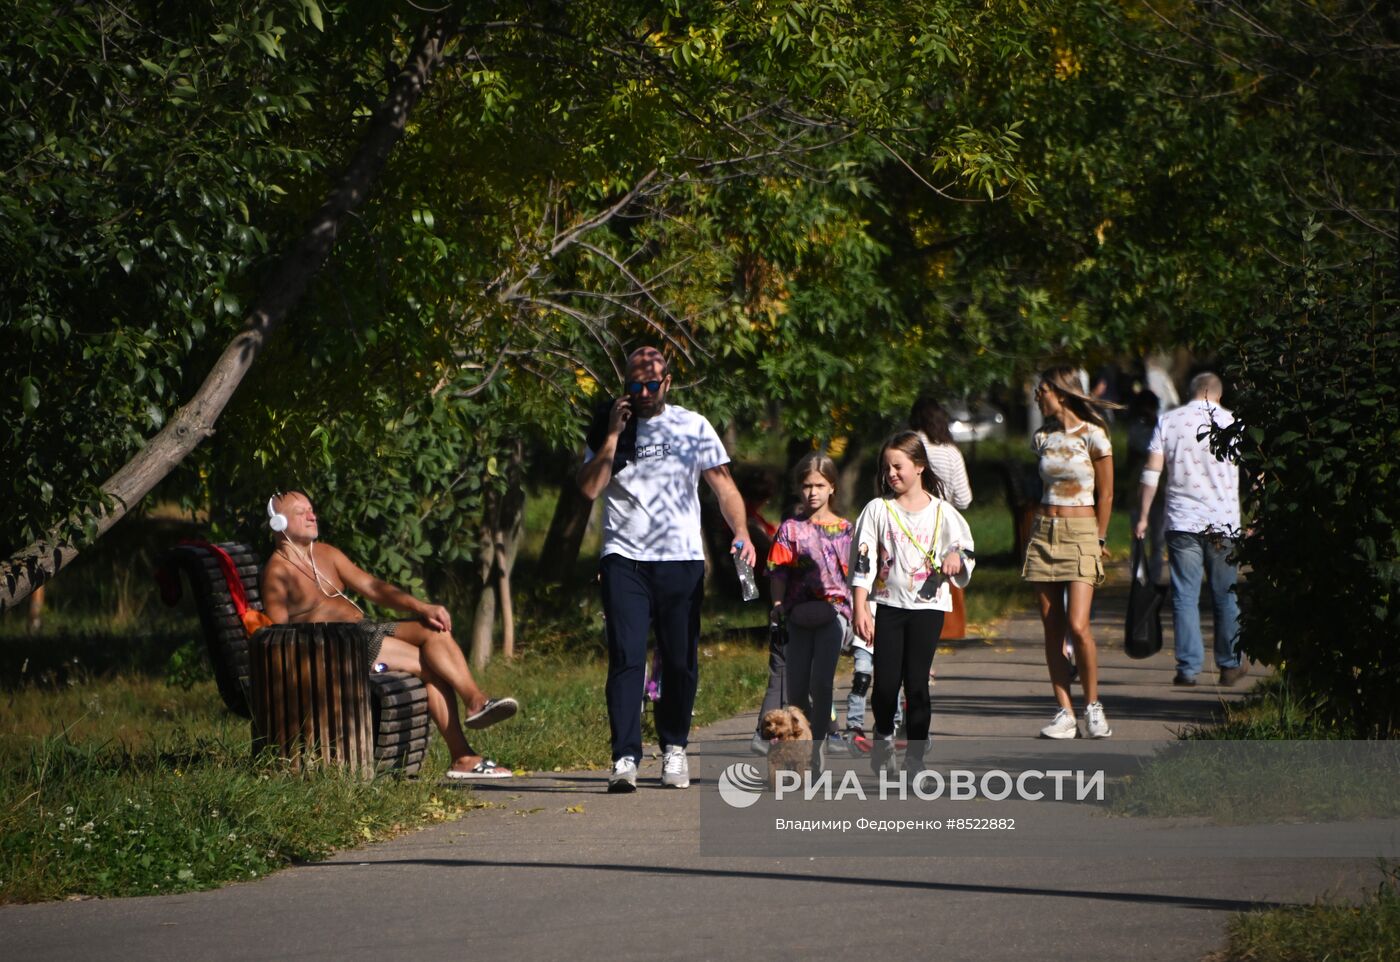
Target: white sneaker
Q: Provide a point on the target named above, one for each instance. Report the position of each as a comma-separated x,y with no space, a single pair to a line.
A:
759,745
675,770
624,775
1094,722
1064,725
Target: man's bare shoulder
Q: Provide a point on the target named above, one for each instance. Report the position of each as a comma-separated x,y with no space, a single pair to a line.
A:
329,554
273,564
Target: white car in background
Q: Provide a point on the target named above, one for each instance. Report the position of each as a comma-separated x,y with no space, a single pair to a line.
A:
973,421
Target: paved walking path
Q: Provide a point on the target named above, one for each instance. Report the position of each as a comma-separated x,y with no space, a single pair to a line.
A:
556,868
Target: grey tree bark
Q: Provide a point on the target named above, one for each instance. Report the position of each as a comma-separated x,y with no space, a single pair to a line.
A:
503,524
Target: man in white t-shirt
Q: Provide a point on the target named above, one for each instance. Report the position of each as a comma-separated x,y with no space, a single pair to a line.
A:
647,463
1202,523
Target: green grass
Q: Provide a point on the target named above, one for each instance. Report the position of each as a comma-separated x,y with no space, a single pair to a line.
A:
128,784
1269,712
563,722
1368,932
1294,769
1238,783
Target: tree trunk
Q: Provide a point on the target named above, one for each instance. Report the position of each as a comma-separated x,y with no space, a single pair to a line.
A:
31,567
508,537
565,538
484,619
36,611
848,499
501,529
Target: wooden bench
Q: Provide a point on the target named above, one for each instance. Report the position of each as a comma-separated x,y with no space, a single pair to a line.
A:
398,700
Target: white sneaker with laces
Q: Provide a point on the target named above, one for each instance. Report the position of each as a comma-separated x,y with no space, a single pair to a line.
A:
1063,725
1094,722
675,770
624,775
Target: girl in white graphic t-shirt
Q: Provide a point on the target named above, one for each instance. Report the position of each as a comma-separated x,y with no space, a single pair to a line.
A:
908,547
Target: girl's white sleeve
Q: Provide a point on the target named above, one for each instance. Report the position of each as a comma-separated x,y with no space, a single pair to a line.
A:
867,533
958,537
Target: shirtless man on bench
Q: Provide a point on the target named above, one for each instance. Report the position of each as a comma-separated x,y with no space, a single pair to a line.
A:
306,582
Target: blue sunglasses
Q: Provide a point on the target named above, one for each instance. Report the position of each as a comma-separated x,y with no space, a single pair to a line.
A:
635,387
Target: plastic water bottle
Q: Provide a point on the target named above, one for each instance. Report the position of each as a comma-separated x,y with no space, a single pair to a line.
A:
747,584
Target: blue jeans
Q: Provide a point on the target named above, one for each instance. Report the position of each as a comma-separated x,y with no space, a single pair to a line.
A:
855,704
1191,555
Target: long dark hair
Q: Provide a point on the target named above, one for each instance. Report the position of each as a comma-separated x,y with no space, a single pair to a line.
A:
1064,380
928,416
911,446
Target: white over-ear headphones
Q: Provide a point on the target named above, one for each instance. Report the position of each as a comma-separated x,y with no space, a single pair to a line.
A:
276,520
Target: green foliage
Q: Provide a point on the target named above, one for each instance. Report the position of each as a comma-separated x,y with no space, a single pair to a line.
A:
145,167
1316,391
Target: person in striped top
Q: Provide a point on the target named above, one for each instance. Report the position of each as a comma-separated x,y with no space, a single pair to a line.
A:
929,418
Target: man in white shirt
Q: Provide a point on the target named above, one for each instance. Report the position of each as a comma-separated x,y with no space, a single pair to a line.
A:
647,463
1202,522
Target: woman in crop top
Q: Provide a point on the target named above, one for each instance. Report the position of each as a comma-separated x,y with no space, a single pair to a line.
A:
1064,559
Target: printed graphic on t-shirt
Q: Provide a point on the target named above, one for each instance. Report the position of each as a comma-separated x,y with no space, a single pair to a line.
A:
912,553
1202,490
1067,461
651,511
647,452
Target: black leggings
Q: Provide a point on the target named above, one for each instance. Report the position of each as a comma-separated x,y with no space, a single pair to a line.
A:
905,642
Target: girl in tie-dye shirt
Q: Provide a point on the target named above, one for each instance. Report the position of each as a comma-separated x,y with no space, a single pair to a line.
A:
807,572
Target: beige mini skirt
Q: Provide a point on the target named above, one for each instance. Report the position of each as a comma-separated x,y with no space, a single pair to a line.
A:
1064,549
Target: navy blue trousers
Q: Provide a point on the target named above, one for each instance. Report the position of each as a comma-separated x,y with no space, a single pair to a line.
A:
637,597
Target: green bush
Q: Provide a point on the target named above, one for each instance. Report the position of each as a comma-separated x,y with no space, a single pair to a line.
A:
1316,389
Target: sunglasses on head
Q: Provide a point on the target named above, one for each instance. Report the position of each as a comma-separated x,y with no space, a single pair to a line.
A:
635,387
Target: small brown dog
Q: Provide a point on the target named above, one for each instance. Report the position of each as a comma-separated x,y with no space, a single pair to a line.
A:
789,742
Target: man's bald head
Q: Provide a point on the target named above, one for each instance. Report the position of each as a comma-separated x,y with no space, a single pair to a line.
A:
646,360
1207,386
301,517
